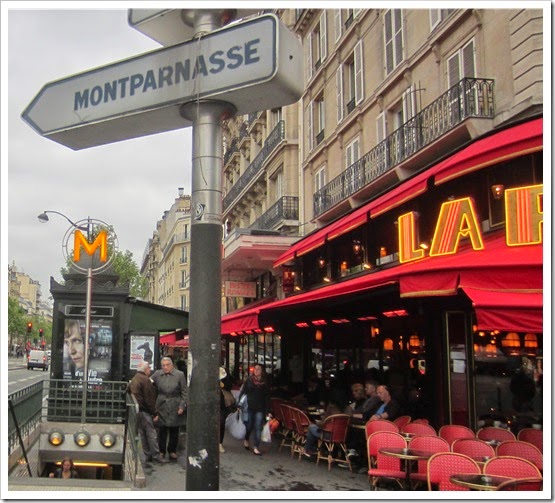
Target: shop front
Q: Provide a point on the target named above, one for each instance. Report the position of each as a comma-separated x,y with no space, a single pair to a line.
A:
435,288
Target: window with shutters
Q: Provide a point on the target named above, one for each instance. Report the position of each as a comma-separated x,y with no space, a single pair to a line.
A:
320,118
350,84
393,39
382,149
437,16
462,94
318,42
352,155
320,178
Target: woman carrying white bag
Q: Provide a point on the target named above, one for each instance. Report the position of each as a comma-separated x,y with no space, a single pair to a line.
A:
257,408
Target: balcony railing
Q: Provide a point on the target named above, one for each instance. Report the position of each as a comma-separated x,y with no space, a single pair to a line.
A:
233,148
286,208
177,238
468,98
272,141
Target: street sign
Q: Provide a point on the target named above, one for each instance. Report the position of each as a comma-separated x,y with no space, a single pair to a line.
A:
173,26
254,65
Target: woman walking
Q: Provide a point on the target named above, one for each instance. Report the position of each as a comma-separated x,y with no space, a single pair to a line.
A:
258,402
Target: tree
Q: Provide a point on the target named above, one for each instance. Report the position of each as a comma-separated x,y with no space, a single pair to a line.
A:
17,318
128,271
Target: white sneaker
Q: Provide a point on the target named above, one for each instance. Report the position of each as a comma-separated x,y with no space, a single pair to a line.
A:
222,450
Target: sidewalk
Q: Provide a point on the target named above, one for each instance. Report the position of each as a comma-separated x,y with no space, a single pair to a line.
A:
241,470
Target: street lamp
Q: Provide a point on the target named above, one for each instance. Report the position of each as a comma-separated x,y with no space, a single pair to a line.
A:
43,218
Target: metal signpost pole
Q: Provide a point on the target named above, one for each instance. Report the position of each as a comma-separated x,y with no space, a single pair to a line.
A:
88,301
205,291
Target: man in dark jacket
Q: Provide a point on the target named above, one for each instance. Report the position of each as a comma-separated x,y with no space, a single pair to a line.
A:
142,388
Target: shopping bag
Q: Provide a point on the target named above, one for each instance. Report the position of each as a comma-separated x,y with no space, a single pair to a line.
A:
266,433
235,426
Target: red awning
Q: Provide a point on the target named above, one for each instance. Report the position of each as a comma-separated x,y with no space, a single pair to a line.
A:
516,311
405,192
243,319
504,269
167,338
507,144
182,343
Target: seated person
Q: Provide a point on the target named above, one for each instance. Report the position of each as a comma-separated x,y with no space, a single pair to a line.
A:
359,398
389,409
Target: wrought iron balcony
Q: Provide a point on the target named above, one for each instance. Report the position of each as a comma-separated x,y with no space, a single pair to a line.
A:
233,148
272,141
286,208
470,97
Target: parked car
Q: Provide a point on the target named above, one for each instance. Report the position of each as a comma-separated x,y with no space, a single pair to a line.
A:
37,359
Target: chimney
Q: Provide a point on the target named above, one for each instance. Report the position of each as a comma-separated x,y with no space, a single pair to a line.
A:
180,191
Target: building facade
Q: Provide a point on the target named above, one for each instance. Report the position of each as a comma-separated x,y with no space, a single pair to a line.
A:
27,290
420,188
166,263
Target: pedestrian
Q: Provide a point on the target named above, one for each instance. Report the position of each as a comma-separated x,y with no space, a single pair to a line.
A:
66,470
171,404
258,402
227,403
142,388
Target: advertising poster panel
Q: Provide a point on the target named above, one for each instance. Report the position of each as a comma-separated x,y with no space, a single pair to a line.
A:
142,349
99,349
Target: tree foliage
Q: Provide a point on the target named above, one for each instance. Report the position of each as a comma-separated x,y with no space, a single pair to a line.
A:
128,271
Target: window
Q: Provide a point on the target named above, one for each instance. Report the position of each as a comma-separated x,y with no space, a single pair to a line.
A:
317,45
349,80
393,34
183,300
320,199
320,178
352,155
462,96
184,254
437,16
184,283
277,183
320,119
338,23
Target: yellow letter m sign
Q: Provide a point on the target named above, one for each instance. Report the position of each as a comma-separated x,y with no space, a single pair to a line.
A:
100,241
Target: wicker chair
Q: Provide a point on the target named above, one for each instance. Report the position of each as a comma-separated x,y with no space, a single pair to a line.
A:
511,466
401,421
452,432
301,422
419,429
494,433
533,436
444,464
427,443
380,425
523,450
386,466
475,448
332,437
288,427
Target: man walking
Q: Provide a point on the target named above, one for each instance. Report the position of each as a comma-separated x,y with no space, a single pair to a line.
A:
142,388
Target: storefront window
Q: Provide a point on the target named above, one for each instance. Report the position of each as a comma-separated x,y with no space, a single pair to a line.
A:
509,376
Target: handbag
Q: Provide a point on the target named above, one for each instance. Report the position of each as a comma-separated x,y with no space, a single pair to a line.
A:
229,399
266,433
235,426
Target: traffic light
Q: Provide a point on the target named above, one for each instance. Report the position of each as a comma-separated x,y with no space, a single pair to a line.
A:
29,327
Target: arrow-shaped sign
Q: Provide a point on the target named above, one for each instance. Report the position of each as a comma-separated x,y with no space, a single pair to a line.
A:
254,65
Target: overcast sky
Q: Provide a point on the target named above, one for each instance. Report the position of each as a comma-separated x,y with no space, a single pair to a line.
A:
127,184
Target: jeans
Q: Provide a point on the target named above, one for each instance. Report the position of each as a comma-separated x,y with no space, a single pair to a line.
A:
312,436
255,422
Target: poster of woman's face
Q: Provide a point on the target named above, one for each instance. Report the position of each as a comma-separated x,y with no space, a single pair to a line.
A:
99,349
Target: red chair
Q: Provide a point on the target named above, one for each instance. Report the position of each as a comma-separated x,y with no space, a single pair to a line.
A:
474,448
386,466
421,420
419,429
288,427
494,433
301,422
401,421
380,425
333,436
532,436
426,443
523,450
444,464
511,466
532,484
452,432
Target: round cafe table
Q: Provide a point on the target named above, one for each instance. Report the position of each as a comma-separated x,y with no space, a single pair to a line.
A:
478,481
408,455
